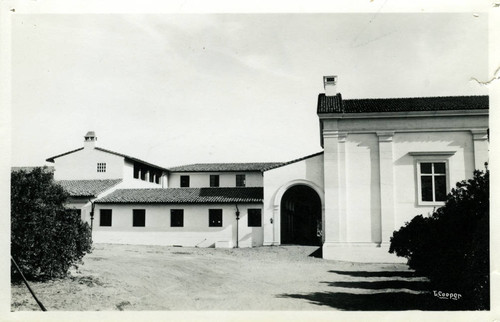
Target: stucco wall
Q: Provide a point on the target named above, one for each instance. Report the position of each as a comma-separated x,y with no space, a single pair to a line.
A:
195,232
461,166
363,196
226,179
378,157
131,182
308,172
82,165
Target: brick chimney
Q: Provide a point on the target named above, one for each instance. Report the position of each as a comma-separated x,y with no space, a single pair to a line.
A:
330,83
90,139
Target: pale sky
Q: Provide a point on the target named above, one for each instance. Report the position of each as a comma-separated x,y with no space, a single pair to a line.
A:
193,88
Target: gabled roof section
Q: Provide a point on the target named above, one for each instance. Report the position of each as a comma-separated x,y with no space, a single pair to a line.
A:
184,196
225,167
335,104
131,158
87,188
294,161
51,159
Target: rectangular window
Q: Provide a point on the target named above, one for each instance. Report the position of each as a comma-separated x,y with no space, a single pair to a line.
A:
215,217
214,180
432,180
254,217
105,217
143,174
101,167
139,217
240,180
137,171
176,217
184,181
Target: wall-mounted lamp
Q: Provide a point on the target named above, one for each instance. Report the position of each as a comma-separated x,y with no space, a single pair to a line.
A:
271,220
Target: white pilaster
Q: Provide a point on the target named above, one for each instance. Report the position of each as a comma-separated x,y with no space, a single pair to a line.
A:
334,164
480,138
342,187
386,185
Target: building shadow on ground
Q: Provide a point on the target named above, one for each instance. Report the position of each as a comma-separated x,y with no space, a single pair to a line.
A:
398,291
376,273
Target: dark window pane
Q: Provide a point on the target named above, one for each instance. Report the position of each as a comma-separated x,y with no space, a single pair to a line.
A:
177,218
184,181
143,174
215,217
240,180
426,182
214,180
425,167
440,187
105,217
254,218
136,171
139,218
439,168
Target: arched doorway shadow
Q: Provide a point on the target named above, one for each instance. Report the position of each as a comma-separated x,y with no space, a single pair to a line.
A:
301,216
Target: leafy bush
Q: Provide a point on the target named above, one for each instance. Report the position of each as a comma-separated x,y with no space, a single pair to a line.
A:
451,247
46,238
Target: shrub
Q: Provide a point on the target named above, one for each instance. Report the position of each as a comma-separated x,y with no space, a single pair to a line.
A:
46,238
451,247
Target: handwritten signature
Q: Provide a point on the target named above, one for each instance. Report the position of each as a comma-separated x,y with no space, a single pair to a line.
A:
447,296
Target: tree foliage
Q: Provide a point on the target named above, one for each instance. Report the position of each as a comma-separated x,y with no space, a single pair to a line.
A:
46,238
451,247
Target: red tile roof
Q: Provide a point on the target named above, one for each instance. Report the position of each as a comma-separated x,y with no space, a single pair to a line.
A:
225,167
335,104
185,195
87,188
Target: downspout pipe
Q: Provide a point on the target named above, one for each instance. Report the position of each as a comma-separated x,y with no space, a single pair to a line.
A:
237,225
91,217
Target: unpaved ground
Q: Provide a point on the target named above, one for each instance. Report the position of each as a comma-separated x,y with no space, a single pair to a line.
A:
130,277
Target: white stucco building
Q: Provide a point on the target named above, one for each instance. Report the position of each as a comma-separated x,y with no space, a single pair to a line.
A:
384,162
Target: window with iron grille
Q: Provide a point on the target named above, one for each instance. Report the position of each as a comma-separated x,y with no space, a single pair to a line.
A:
139,217
176,217
240,180
214,180
215,217
105,217
254,217
101,167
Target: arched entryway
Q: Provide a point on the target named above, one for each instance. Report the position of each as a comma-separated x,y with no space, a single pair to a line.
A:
301,216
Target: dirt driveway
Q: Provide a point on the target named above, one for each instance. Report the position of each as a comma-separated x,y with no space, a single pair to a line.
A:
129,277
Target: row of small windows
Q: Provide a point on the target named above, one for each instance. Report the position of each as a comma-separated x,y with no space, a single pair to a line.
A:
214,180
177,218
146,173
